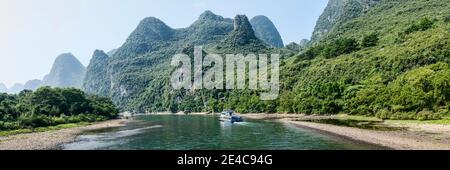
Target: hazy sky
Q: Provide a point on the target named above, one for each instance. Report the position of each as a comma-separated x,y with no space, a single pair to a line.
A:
34,32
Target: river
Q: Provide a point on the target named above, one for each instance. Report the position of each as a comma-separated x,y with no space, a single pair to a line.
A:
199,132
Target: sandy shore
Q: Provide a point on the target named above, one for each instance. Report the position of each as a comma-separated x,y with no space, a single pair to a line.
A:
51,140
413,137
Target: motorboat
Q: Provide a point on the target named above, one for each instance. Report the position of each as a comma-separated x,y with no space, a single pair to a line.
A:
230,116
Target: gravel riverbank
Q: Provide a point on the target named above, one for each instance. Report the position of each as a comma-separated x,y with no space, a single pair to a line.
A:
51,140
413,137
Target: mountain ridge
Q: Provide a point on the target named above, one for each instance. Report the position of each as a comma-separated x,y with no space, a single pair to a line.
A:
338,12
138,71
266,31
362,52
3,88
67,71
242,39
33,84
16,88
96,71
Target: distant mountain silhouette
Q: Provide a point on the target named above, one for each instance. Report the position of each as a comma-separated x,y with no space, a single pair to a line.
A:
67,71
266,31
3,88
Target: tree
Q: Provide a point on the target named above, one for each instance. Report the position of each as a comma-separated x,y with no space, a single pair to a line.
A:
52,106
370,40
293,46
423,25
339,47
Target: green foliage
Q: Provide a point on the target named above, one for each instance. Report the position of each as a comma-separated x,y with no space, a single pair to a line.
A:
370,40
97,80
423,25
447,19
293,46
422,88
425,87
52,106
139,71
339,47
333,49
241,40
407,80
403,75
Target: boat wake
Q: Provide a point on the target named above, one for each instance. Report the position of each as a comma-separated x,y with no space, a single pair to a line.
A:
244,123
126,133
225,123
90,142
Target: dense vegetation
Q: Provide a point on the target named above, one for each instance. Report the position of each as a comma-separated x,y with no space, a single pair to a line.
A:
399,72
52,106
95,81
139,71
384,58
360,69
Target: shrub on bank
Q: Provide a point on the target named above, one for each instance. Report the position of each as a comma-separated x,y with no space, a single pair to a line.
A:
423,115
52,106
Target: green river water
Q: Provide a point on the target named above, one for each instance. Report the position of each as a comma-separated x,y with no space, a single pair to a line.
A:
178,132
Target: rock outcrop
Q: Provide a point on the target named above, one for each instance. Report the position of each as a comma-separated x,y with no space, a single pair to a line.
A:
67,71
266,31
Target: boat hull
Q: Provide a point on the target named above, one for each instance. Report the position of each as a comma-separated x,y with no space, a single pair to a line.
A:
232,119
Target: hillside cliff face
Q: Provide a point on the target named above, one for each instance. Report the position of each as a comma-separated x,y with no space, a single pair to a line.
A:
66,71
137,75
242,39
338,12
266,31
208,28
150,35
387,58
97,80
138,71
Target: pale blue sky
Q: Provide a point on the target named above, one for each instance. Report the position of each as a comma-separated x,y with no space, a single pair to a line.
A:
34,32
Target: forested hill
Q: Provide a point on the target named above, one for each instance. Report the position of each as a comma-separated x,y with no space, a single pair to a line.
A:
338,12
392,61
138,72
96,80
136,75
385,58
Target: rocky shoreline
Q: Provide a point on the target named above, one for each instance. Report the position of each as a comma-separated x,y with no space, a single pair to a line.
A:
414,137
52,140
